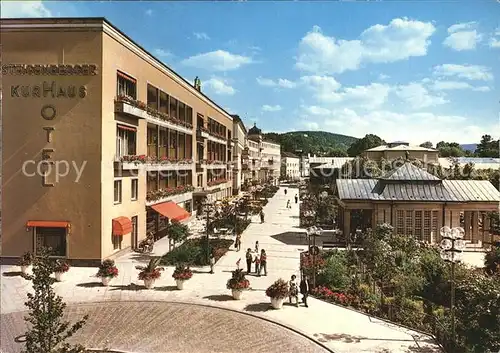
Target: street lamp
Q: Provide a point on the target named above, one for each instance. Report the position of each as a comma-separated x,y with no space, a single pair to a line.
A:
452,246
313,250
208,208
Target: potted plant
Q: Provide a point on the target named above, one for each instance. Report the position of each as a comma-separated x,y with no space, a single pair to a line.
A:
278,291
238,283
26,261
181,274
150,273
107,271
60,267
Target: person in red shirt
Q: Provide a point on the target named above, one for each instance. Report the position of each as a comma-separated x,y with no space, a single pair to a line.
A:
263,262
257,264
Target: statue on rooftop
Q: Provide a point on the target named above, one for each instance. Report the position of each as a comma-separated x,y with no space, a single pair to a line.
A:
197,83
407,155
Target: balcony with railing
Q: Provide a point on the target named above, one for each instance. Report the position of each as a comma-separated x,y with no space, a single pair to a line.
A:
150,163
176,194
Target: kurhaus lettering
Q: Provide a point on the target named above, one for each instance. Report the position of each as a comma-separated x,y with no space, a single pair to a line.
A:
48,89
49,70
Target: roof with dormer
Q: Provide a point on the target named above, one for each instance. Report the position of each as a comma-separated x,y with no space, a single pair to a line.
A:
410,183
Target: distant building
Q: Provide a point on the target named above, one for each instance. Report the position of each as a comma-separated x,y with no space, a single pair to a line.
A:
479,163
395,150
290,166
239,140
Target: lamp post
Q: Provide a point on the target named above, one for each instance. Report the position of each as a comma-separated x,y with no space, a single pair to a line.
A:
208,208
313,231
452,246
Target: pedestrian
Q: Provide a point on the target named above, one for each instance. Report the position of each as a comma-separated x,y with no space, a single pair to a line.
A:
285,192
263,262
296,198
257,246
288,204
212,262
257,264
237,242
249,258
261,216
304,289
293,290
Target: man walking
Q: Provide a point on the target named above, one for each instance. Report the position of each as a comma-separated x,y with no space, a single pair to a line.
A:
296,198
304,289
249,258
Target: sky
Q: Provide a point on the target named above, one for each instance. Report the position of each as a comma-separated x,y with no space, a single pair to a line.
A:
404,70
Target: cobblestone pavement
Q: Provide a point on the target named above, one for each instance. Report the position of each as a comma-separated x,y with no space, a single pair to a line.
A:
169,327
338,328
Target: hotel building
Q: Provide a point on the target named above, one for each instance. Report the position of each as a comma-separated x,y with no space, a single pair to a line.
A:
103,143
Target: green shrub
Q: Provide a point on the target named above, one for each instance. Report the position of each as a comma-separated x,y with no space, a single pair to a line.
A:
194,252
335,273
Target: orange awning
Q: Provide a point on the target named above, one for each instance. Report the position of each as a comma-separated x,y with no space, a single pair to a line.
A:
128,128
171,210
122,226
48,224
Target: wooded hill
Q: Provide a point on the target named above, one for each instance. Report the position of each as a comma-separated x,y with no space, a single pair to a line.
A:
319,142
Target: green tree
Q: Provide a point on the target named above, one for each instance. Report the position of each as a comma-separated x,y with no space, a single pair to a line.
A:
450,149
363,144
335,273
488,147
48,332
177,232
427,144
492,261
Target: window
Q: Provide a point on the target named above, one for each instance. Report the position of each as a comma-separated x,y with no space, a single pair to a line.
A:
152,141
118,191
163,102
189,115
427,226
182,145
418,225
135,189
126,85
173,108
400,222
409,223
435,215
182,111
54,238
152,97
163,142
117,241
152,181
125,141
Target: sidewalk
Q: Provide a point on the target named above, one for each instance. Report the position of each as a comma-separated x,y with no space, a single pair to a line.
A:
338,328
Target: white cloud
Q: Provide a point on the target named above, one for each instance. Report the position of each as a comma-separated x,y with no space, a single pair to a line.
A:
383,77
399,40
456,85
162,53
495,39
201,35
34,8
463,40
327,90
461,27
281,82
417,96
468,72
271,108
218,60
390,125
149,12
219,86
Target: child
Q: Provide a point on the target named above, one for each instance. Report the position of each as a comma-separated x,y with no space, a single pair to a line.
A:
212,262
257,263
257,246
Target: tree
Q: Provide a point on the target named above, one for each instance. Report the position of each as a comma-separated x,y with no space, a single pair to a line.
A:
48,332
177,231
488,147
361,145
427,144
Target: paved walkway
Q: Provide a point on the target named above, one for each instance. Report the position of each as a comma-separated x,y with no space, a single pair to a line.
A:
338,328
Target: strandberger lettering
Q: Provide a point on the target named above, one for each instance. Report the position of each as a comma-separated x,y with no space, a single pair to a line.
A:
49,70
48,89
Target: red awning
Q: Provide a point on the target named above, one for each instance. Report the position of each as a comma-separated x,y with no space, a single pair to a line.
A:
171,210
128,128
48,224
122,226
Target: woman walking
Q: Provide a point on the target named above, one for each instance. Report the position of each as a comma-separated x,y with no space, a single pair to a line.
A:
263,262
294,290
237,242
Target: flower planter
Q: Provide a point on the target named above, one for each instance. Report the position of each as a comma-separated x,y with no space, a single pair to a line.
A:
105,281
149,283
180,284
237,294
58,276
277,303
24,269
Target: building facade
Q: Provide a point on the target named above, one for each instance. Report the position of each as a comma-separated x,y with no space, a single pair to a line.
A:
239,138
261,159
113,143
290,166
395,150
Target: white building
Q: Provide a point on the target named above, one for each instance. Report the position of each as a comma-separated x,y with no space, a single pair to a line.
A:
290,166
239,140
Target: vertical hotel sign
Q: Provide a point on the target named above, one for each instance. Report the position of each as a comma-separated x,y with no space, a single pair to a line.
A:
50,89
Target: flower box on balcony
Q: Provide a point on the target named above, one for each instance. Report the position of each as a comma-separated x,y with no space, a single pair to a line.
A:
163,194
130,106
202,132
216,182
